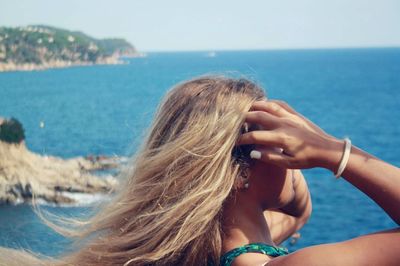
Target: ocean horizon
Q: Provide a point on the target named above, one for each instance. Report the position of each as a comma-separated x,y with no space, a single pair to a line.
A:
106,109
273,49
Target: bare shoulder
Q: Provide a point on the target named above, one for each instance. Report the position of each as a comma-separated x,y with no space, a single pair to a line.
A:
381,248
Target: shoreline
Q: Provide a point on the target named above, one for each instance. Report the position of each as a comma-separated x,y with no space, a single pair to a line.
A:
57,64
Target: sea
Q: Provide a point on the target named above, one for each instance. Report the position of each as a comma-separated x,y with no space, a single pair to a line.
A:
106,109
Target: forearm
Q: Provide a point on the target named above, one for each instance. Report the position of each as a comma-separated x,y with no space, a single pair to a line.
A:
376,178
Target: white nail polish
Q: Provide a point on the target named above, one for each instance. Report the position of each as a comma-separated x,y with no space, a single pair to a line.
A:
255,154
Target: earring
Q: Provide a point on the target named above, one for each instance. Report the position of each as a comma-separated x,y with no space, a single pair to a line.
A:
246,184
247,179
244,179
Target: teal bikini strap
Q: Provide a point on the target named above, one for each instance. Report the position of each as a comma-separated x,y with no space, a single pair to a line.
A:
262,248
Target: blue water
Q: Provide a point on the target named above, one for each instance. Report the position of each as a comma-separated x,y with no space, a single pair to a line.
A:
106,109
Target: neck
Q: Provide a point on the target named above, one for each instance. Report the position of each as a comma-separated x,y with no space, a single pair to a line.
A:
244,222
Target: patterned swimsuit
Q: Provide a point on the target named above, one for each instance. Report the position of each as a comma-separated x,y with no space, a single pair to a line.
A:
227,258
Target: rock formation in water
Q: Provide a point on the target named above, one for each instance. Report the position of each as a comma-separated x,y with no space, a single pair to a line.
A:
23,173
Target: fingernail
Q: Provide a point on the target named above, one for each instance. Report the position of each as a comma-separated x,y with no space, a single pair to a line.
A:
255,154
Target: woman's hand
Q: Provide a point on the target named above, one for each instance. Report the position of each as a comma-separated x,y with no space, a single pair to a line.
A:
304,144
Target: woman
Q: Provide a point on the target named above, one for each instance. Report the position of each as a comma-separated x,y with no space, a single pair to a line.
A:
215,184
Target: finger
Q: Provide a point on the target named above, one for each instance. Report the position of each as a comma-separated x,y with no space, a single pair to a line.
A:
274,157
271,107
289,109
280,109
266,138
285,106
267,120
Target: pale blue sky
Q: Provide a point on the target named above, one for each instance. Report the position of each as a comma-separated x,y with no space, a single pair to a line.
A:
170,25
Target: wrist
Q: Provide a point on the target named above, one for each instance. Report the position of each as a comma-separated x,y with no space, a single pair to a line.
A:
331,153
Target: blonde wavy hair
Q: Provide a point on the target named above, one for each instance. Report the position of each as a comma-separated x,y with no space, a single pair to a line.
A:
169,211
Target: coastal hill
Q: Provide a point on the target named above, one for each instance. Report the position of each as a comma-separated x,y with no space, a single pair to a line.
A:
38,47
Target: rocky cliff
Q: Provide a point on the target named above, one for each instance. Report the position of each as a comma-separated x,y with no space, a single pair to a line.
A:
24,173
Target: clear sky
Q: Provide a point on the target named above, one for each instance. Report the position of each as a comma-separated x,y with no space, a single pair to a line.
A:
170,25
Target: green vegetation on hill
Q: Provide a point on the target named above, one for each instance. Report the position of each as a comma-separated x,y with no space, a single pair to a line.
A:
11,131
40,44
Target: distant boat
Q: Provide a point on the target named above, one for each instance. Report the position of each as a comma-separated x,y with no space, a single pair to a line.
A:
211,54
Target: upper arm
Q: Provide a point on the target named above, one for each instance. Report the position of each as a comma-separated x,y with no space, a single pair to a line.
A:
381,248
281,224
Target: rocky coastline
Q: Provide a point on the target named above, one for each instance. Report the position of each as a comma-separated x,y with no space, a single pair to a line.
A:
12,66
24,174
